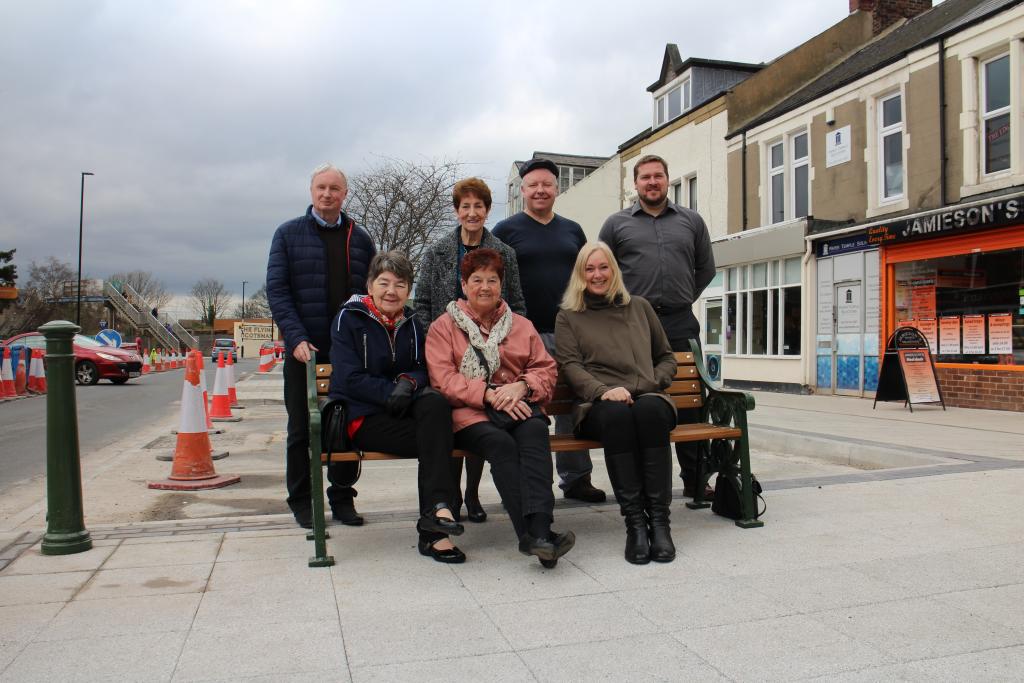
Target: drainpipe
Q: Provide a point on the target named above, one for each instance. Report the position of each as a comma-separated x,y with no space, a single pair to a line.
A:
808,319
743,178
943,199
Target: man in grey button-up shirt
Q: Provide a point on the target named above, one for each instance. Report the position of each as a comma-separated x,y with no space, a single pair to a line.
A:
664,251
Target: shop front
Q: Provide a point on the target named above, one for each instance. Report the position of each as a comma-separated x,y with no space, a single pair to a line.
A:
958,276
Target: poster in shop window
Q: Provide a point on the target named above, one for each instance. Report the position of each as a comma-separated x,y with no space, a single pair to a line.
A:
974,334
1000,333
930,329
922,299
949,334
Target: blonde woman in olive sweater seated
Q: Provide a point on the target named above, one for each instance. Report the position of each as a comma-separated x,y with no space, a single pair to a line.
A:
616,357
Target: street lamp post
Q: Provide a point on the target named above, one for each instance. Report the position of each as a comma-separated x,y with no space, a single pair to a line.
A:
244,282
81,212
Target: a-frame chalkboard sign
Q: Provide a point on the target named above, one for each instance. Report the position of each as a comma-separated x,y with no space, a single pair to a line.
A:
908,370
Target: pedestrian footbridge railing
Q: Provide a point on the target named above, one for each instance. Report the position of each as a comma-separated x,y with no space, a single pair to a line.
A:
130,304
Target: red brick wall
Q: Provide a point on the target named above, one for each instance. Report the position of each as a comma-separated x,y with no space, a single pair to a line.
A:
888,11
993,389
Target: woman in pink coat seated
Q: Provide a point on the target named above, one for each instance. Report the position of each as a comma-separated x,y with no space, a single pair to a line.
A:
491,365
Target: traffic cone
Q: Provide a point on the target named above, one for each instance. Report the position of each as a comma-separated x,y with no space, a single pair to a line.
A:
37,372
177,363
229,365
192,468
267,360
158,361
220,409
20,374
146,367
7,376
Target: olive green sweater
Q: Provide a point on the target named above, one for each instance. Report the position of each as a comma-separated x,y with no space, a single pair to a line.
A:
613,345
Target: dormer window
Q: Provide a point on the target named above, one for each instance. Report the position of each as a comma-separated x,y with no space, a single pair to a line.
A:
672,103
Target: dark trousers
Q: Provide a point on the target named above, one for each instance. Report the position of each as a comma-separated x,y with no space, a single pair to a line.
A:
425,435
623,428
520,462
341,474
682,326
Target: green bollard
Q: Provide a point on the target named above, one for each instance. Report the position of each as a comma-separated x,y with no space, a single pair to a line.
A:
65,526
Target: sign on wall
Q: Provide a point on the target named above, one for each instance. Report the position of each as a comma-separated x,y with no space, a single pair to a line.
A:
837,147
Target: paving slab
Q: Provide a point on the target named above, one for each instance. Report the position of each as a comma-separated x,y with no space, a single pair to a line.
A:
122,617
494,668
169,579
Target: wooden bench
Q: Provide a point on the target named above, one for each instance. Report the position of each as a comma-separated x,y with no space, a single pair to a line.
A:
721,431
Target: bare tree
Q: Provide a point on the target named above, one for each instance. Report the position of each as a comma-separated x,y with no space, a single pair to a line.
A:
145,283
405,205
256,305
209,300
43,298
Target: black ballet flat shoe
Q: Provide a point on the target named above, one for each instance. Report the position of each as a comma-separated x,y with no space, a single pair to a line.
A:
475,511
430,522
547,549
450,556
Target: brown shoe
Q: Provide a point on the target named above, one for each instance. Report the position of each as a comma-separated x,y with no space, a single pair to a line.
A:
583,490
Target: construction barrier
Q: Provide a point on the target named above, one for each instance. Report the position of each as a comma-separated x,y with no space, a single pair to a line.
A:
267,361
192,468
19,357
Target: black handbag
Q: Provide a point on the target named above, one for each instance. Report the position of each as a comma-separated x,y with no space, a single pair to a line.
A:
499,418
333,435
729,492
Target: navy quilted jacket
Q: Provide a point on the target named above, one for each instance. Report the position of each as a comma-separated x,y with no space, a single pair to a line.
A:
365,363
297,279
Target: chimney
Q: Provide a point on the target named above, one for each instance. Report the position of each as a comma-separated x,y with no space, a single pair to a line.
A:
887,12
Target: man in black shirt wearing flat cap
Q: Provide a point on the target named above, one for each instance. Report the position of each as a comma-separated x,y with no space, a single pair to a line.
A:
546,246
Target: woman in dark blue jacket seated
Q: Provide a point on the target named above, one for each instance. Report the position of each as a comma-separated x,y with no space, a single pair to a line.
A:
380,371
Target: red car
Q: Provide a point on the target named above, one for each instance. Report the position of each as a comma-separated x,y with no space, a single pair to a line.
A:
93,360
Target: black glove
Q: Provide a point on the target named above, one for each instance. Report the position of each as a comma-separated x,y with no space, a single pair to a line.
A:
401,397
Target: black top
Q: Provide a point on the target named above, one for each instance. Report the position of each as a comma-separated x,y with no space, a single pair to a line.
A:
546,255
337,266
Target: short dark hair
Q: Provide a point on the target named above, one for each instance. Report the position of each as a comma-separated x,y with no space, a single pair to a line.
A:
648,159
471,186
483,259
391,262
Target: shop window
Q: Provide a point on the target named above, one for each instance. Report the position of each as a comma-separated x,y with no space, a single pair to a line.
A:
995,98
890,147
969,306
762,312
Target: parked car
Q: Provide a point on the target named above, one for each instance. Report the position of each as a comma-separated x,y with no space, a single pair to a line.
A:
224,346
93,361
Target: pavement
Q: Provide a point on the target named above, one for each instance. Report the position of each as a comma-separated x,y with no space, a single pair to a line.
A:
892,550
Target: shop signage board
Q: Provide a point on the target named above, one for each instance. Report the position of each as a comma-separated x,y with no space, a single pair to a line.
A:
1000,333
949,335
974,334
837,147
843,245
908,370
954,221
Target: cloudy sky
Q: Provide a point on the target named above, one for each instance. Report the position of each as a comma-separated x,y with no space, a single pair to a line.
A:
201,120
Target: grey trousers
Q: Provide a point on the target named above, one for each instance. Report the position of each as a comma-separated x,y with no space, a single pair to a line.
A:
570,465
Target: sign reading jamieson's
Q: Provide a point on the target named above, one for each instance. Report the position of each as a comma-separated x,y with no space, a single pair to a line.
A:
949,222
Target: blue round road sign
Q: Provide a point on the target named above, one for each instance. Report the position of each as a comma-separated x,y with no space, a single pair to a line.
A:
109,337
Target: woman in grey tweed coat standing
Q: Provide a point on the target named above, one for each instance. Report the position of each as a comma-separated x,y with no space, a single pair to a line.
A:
438,283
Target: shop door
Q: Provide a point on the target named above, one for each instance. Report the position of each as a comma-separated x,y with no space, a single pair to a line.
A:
848,349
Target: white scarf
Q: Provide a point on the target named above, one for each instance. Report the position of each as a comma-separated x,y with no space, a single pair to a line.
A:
471,367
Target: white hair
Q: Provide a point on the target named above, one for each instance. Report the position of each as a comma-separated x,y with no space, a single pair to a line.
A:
323,168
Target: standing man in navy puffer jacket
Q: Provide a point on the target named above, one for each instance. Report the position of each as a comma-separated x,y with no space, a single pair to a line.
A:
316,262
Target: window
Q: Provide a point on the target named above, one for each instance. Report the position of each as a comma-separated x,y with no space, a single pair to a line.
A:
801,168
675,193
890,147
672,104
691,192
762,311
995,100
777,176
569,176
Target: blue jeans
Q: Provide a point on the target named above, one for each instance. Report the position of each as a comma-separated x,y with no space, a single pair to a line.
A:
570,465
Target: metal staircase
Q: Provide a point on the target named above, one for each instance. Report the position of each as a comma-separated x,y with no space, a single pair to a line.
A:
138,312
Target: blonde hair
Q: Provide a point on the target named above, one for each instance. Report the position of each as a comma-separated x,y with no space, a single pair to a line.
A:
573,300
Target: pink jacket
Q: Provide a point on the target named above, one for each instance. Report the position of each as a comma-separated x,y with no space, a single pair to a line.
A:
522,354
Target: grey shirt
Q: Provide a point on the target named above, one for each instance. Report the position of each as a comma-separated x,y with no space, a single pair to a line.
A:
666,260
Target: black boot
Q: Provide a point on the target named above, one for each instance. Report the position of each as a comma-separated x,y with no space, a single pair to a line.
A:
657,469
622,470
344,510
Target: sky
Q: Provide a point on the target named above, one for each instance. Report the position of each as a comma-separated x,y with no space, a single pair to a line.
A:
202,120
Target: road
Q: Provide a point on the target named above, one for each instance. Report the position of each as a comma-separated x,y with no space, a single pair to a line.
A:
106,413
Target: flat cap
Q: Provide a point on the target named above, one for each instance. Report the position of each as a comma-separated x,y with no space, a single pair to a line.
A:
534,164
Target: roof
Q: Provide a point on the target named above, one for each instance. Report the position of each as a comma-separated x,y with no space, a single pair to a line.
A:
949,17
672,65
566,159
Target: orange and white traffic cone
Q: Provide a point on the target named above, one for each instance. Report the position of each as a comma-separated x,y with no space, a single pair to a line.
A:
20,372
158,361
220,409
229,365
192,468
172,360
146,367
7,376
37,372
179,362
267,361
